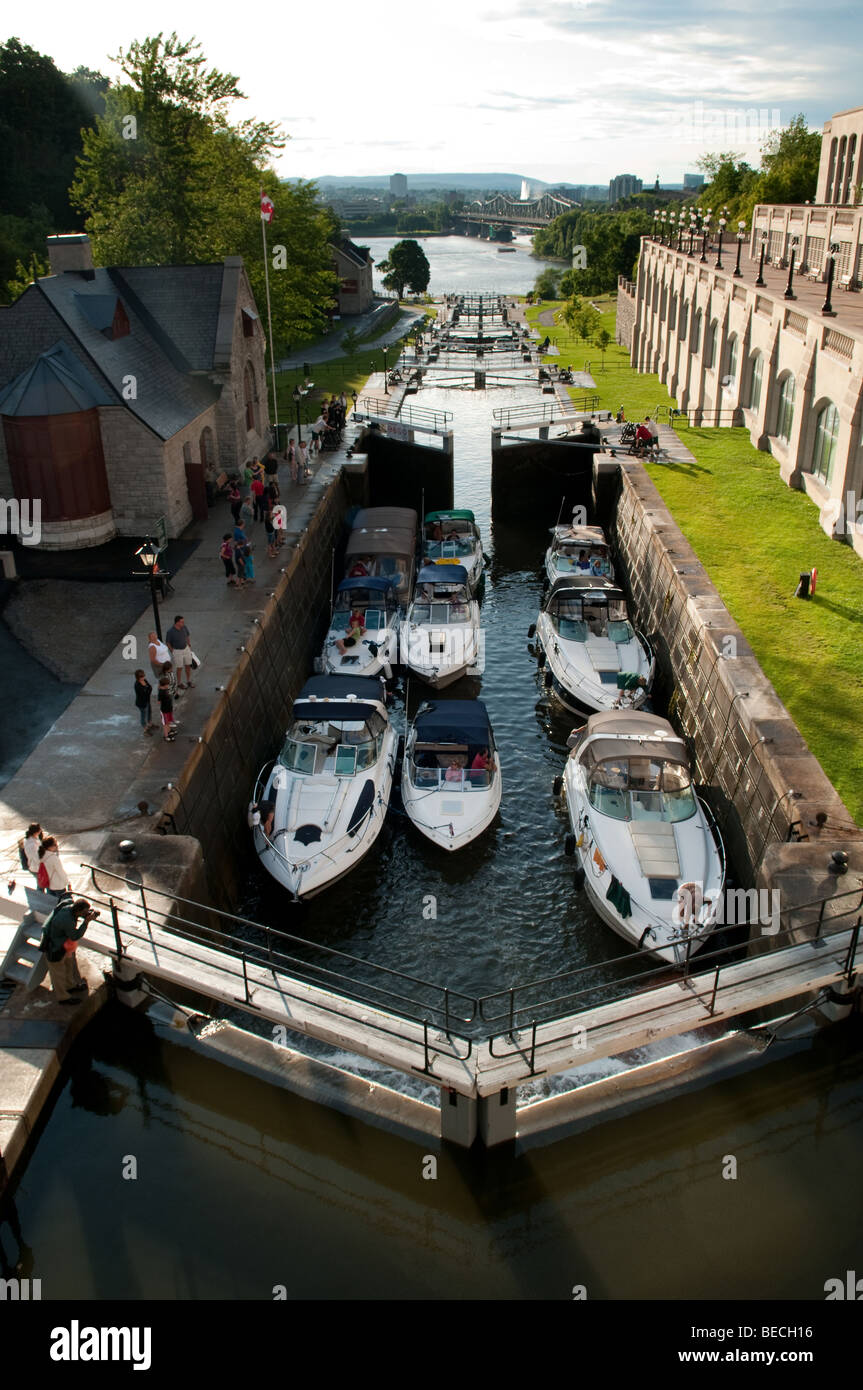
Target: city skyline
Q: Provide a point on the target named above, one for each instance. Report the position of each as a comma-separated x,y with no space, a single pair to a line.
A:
518,91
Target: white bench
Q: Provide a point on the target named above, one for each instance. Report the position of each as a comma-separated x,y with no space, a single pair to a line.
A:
845,282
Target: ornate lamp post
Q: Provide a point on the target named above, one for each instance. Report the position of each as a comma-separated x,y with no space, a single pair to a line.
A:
149,557
656,224
741,233
827,308
723,223
760,280
299,394
789,293
693,223
705,239
662,220
680,232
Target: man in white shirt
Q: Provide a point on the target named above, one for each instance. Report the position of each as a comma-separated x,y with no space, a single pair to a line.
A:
158,653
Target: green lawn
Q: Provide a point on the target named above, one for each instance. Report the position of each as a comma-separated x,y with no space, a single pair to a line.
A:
754,535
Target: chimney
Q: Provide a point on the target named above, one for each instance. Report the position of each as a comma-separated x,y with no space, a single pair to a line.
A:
71,254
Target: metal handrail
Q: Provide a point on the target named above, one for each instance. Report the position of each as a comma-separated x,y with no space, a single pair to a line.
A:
406,414
330,952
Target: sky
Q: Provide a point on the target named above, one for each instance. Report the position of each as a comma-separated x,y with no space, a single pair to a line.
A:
551,90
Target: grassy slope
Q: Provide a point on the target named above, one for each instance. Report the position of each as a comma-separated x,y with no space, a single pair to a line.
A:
754,535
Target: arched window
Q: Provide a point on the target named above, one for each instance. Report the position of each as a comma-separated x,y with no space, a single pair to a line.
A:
756,374
207,447
696,333
250,397
826,437
710,358
732,355
785,413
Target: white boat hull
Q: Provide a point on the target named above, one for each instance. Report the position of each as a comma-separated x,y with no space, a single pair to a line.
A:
327,803
441,653
451,816
359,660
604,850
575,667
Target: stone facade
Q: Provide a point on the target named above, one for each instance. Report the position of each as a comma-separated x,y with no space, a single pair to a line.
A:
625,318
736,354
840,173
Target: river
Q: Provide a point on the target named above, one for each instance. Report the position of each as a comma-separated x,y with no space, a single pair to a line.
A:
467,263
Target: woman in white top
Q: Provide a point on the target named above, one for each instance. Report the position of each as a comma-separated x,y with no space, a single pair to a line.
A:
58,879
159,653
32,841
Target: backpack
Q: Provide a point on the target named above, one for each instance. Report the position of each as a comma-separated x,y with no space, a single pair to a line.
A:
42,875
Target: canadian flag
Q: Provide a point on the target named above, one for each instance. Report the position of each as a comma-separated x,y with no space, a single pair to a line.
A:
267,208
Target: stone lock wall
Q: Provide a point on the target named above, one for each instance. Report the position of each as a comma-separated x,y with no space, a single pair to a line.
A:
625,318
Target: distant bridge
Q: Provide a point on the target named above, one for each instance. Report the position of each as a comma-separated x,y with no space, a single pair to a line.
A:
507,211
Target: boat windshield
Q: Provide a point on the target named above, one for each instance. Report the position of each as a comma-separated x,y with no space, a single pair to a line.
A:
593,614
373,617
642,789
341,749
452,767
440,611
450,548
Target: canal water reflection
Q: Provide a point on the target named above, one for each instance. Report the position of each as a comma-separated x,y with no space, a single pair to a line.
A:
242,1187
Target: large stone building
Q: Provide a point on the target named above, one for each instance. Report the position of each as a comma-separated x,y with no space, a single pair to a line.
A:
783,357
123,388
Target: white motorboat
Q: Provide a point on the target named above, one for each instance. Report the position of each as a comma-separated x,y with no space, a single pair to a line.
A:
363,635
440,638
319,808
578,550
591,655
451,781
384,547
649,852
453,538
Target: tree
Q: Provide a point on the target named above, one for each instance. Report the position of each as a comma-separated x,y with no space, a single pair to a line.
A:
406,266
603,338
545,285
165,178
790,158
350,342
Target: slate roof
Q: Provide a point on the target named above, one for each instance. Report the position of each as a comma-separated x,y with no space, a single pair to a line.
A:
173,315
358,254
56,384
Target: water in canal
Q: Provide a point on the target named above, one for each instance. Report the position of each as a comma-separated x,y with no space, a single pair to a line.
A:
459,263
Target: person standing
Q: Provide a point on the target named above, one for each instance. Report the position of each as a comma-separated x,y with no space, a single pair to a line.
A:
240,561
143,701
247,512
61,933
226,554
249,562
271,467
158,654
235,499
31,843
52,877
258,497
180,643
303,467
166,709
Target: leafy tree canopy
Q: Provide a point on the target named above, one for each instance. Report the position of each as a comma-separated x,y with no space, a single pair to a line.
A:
406,266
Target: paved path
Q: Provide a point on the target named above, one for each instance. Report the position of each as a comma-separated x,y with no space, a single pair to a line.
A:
330,345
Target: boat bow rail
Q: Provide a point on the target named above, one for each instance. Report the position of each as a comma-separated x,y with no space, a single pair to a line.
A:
471,1045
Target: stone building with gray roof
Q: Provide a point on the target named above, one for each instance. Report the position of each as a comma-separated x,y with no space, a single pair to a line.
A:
123,388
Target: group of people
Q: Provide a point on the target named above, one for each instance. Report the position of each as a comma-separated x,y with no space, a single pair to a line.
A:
327,429
66,923
262,483
647,438
172,662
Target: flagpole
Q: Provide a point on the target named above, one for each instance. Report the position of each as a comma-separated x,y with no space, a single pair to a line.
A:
269,318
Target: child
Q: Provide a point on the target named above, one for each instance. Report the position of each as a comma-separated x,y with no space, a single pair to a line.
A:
240,561
249,563
272,542
143,697
166,705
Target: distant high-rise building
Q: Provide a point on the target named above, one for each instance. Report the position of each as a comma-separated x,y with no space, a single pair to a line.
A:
623,186
398,185
693,181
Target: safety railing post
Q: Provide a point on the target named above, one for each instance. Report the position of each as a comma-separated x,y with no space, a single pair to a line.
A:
115,922
820,919
848,968
712,1005
511,1011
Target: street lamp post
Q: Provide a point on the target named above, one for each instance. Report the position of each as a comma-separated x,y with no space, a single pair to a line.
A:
705,239
722,225
827,308
656,224
149,556
299,395
741,233
789,293
760,280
